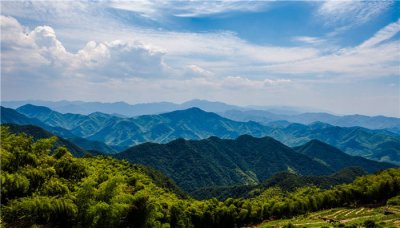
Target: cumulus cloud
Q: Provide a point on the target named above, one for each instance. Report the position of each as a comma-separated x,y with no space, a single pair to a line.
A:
29,51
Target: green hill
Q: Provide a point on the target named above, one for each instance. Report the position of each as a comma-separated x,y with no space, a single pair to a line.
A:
285,181
336,159
58,190
39,133
243,161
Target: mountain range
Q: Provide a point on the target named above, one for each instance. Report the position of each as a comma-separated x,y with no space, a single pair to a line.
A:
261,114
246,160
233,158
119,133
268,117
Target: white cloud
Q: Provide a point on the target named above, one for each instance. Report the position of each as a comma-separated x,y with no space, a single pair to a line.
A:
362,63
351,13
40,52
382,35
154,9
237,82
308,39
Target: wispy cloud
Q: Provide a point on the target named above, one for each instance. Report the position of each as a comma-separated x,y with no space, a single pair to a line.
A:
308,39
345,14
383,35
154,9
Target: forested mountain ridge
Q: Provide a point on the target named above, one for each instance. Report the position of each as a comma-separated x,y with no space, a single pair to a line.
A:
121,133
19,123
59,190
39,133
192,123
259,114
245,160
285,180
334,158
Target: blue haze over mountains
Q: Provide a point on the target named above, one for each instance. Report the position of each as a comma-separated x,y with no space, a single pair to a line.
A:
262,114
119,133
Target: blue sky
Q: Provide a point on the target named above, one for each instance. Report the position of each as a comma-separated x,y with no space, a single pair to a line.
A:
341,56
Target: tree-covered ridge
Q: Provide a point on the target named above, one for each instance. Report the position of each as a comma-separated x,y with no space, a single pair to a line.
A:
246,160
285,181
52,188
121,132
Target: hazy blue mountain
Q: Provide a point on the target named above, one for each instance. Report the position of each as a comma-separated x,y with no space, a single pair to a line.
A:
220,162
266,117
261,114
11,116
122,108
373,144
193,123
128,110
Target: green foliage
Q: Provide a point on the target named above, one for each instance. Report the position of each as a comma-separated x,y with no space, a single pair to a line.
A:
58,190
222,162
394,201
285,181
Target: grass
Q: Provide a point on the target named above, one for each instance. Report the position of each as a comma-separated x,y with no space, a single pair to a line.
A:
342,217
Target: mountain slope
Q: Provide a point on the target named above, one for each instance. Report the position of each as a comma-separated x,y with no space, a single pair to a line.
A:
221,162
39,133
12,116
121,133
192,123
372,144
336,159
265,117
285,181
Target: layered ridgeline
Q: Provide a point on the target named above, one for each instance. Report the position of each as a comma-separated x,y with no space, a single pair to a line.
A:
192,123
245,160
262,114
268,117
121,133
19,123
58,190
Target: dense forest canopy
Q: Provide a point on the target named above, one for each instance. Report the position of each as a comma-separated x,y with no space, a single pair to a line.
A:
47,186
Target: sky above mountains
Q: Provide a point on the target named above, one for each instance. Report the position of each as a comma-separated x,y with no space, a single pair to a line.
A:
340,56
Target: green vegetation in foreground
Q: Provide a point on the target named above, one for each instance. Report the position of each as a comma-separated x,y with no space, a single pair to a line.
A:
53,189
388,216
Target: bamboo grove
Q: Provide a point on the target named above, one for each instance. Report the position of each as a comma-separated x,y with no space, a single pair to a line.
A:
48,187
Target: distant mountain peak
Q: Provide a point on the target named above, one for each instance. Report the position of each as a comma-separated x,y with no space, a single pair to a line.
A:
30,107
